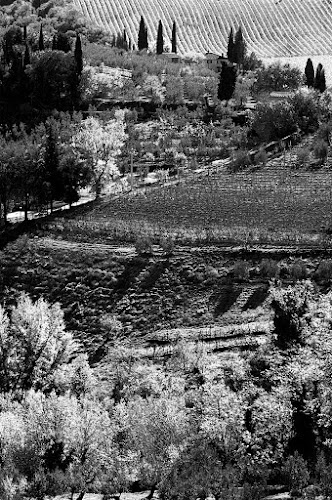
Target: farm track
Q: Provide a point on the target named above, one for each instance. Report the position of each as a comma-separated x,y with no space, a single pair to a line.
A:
215,338
226,249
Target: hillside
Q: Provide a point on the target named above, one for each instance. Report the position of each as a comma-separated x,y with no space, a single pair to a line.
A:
271,28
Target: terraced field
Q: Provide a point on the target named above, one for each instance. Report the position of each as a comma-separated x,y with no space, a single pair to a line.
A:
273,205
271,28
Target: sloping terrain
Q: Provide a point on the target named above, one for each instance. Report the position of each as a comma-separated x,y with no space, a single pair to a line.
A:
271,27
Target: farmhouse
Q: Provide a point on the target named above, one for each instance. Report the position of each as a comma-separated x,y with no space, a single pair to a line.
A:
215,62
172,57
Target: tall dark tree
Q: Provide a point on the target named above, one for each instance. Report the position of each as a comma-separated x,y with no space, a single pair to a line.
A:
309,73
160,39
53,186
230,46
26,56
41,45
239,47
125,40
25,33
55,42
142,35
13,36
78,54
227,82
174,42
320,81
63,42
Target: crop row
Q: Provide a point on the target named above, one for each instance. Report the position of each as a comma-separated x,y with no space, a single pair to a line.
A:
290,27
273,205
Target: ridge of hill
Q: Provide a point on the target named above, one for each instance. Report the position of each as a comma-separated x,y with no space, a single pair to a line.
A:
271,28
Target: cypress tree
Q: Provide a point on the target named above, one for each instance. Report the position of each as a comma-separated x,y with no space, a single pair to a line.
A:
41,45
26,56
160,39
227,82
239,47
174,47
55,42
309,73
125,40
320,81
78,54
322,86
146,38
317,76
25,33
142,35
230,46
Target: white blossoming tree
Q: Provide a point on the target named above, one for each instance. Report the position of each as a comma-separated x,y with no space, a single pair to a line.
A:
98,145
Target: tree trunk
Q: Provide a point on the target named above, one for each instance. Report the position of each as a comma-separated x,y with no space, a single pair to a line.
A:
81,495
150,495
26,206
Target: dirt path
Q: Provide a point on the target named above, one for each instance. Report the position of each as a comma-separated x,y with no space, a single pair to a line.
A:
129,249
215,338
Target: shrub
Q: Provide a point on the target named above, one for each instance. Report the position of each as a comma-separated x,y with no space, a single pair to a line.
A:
321,149
324,271
274,121
324,476
261,157
268,268
241,160
302,156
167,244
290,305
296,473
143,245
298,270
241,270
278,77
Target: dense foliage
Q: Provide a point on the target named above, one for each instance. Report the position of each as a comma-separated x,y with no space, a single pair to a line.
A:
193,424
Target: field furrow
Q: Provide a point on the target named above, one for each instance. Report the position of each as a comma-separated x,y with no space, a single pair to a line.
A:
287,28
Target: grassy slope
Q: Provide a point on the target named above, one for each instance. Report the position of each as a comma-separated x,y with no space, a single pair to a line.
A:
194,294
288,27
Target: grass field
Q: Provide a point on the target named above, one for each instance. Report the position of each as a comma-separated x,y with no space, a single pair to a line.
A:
279,206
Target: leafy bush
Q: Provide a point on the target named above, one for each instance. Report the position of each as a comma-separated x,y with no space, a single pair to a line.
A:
143,245
167,244
277,77
268,268
324,271
302,156
290,305
261,157
241,160
296,473
307,111
241,270
274,121
321,149
298,270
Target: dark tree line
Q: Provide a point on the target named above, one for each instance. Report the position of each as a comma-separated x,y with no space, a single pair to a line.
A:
143,37
236,48
33,82
316,81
